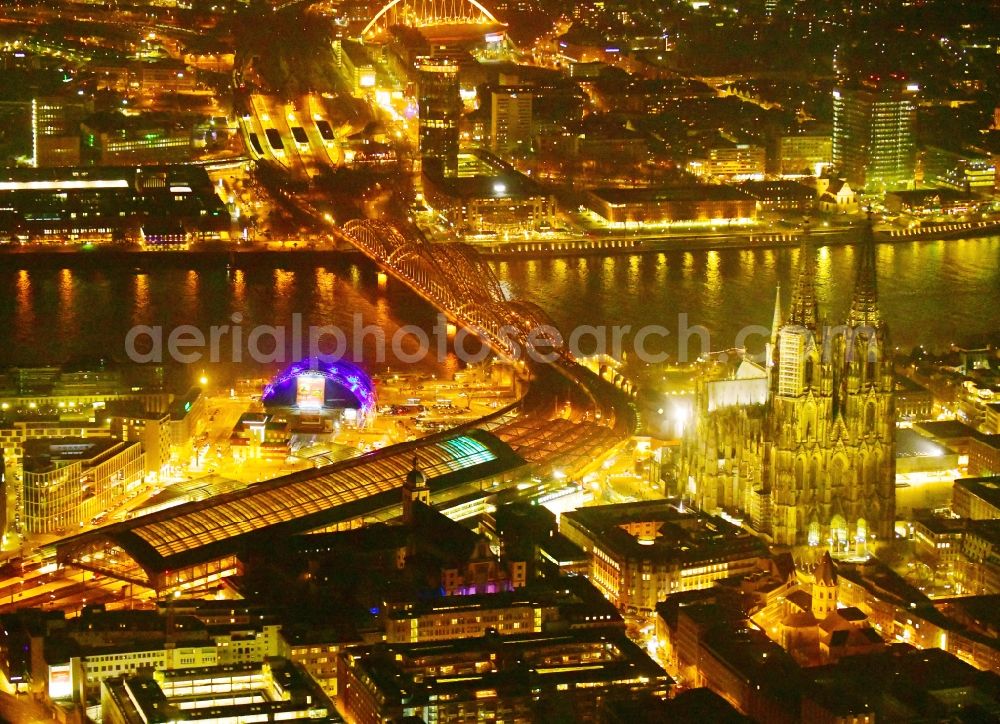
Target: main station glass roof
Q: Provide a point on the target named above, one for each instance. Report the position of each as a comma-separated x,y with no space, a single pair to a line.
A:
207,530
266,505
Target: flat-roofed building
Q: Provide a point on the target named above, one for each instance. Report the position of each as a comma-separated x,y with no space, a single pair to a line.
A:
546,606
152,430
69,481
487,197
914,402
803,153
315,647
440,109
925,471
71,658
978,568
642,552
125,141
187,415
873,134
163,76
953,434
991,418
961,170
106,203
698,203
510,118
357,66
939,539
916,453
902,683
274,690
984,455
977,498
55,130
537,677
921,202
780,195
729,159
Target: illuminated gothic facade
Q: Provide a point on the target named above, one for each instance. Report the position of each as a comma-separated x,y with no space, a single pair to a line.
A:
811,460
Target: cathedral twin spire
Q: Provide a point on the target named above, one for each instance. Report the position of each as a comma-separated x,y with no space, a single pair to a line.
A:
864,306
804,311
805,308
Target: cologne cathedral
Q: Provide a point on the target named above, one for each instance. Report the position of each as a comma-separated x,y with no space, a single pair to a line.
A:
803,445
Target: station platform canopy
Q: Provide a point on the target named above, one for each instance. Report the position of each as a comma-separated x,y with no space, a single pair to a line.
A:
199,541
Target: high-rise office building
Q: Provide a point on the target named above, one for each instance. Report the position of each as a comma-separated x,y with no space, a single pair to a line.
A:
440,107
873,134
510,118
55,131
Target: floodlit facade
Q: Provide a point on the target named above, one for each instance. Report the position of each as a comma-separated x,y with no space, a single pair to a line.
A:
813,462
693,204
69,481
643,552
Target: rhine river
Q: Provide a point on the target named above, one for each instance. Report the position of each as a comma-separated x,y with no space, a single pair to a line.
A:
932,293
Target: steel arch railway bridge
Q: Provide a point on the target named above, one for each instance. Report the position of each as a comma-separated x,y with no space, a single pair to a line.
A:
454,278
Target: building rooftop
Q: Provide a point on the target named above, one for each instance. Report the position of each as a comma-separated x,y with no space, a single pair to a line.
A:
691,192
986,488
507,666
106,178
691,705
273,691
482,175
905,384
910,443
683,535
575,597
749,654
777,190
44,455
943,526
981,613
207,530
916,196
903,683
946,429
561,550
992,441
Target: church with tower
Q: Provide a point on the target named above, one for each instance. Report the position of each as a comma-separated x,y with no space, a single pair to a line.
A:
805,448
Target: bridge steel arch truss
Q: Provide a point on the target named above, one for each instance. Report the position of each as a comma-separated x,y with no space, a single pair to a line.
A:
454,277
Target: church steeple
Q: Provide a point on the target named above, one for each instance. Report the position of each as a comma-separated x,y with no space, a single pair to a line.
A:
824,590
805,310
864,305
414,489
776,320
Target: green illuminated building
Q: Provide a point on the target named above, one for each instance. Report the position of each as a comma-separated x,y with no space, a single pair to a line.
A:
873,135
